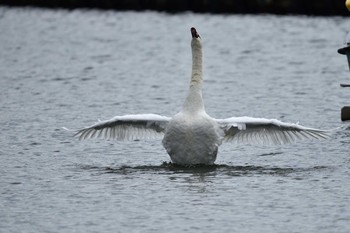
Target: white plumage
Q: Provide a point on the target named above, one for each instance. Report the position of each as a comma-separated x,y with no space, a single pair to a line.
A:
192,136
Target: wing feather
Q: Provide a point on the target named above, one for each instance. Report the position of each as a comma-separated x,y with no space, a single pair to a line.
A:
125,127
266,131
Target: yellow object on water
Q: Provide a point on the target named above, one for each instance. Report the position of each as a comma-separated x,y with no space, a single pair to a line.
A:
347,4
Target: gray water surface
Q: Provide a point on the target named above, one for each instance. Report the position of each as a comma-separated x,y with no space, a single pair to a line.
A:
70,68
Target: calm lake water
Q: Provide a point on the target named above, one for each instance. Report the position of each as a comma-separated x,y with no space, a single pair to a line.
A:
70,68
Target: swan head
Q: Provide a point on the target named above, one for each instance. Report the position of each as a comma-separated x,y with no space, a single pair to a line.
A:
196,38
194,33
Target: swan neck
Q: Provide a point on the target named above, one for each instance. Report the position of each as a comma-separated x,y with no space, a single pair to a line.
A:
197,60
194,101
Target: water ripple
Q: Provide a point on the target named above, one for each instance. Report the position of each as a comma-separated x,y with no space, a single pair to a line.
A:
208,170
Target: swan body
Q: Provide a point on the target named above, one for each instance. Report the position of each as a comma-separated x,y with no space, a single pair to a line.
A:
193,137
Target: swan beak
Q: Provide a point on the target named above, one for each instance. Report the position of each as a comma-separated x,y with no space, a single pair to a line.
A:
194,33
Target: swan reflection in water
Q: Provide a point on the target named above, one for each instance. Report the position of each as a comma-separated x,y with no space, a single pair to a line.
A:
192,137
175,171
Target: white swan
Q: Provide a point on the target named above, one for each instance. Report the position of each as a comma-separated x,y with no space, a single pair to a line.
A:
192,136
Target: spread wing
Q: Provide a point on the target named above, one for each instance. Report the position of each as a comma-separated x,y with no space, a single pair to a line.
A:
126,127
266,131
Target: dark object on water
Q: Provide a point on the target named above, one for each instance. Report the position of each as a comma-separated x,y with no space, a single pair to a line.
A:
345,111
